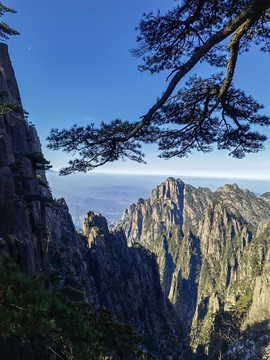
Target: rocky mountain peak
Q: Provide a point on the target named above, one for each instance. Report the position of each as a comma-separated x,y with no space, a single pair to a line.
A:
266,196
171,189
95,228
251,207
204,242
95,220
7,77
234,188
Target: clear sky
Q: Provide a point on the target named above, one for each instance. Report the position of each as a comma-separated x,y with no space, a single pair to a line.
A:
73,65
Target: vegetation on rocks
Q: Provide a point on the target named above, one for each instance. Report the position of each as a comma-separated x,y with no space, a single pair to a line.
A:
209,254
57,321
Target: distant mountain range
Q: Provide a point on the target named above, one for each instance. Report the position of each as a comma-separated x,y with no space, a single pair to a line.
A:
111,194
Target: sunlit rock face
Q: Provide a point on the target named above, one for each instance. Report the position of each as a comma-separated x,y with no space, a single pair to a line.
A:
209,249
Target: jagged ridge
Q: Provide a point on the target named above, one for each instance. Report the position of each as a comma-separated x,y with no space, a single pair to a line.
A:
207,248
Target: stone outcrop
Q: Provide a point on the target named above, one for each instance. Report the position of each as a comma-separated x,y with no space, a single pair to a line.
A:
127,281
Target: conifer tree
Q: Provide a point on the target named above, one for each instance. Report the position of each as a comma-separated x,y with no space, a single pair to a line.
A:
201,114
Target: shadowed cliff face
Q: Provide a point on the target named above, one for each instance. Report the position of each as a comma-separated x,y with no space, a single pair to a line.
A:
127,280
36,230
18,178
206,245
7,197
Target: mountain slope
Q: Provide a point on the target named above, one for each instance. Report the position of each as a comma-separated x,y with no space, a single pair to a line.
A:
207,249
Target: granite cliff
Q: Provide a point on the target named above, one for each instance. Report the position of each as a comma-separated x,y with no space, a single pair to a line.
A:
212,250
34,228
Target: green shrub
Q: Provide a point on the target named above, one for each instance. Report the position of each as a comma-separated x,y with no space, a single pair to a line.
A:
38,160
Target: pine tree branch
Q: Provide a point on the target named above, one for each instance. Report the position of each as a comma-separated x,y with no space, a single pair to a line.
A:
243,21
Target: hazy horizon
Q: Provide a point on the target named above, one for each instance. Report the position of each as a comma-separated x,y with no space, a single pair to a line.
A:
129,172
110,194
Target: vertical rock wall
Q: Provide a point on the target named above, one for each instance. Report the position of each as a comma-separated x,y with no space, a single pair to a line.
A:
35,230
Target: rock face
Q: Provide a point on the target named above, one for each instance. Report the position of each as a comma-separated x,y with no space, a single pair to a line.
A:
211,248
37,231
127,281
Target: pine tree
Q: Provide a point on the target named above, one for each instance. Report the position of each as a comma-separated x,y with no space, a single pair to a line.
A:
201,114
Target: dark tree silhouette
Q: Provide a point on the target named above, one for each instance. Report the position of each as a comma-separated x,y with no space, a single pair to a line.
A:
204,112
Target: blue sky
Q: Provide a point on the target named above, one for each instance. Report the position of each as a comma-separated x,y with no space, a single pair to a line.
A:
73,65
